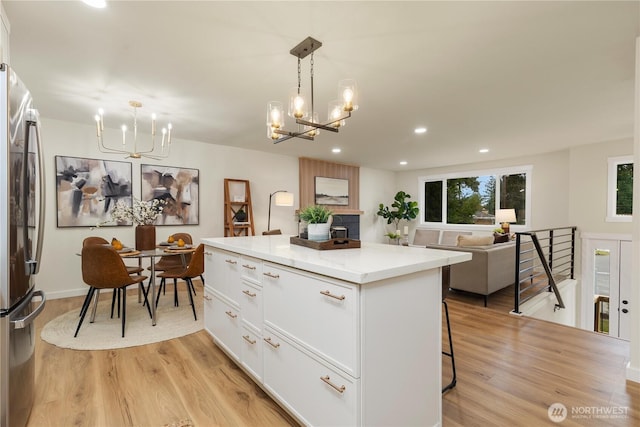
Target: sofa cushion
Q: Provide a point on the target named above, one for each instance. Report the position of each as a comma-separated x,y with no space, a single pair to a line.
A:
450,237
465,240
426,237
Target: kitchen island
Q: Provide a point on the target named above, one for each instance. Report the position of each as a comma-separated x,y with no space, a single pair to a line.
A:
336,337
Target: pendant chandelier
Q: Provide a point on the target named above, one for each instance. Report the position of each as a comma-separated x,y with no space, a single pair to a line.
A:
303,110
135,152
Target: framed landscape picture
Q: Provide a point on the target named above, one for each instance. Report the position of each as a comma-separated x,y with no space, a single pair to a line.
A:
178,187
88,189
331,191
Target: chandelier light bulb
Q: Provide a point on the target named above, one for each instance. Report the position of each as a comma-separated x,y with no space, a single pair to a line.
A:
348,92
153,124
298,104
275,118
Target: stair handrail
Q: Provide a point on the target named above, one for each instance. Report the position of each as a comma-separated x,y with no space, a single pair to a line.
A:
547,262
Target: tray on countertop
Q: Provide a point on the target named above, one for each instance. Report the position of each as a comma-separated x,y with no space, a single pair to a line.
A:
338,243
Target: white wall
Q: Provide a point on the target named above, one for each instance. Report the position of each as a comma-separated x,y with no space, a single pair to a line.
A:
376,187
588,195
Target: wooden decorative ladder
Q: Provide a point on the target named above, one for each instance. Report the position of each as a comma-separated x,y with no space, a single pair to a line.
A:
237,199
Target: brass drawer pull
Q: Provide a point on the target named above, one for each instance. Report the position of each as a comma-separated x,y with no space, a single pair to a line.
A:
246,292
248,339
208,253
207,297
230,314
230,261
340,389
275,276
329,294
274,345
250,267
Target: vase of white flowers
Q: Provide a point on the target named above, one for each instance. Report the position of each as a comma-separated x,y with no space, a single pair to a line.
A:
142,213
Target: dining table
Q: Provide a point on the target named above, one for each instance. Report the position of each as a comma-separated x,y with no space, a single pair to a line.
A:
152,254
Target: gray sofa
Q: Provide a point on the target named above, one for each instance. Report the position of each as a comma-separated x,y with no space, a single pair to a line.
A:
492,267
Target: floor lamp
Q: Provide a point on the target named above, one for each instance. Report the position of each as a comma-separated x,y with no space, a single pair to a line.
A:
283,198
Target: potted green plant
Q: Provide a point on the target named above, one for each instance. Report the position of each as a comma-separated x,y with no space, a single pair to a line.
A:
319,220
401,209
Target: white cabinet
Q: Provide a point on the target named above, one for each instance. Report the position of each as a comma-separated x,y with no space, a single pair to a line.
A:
251,269
331,351
223,273
251,351
251,304
225,325
313,390
319,313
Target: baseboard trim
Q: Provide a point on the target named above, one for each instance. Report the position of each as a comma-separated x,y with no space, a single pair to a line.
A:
66,294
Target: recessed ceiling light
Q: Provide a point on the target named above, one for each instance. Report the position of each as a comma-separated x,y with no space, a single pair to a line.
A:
98,4
483,150
403,163
336,150
420,130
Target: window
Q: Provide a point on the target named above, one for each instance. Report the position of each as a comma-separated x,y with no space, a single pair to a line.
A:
471,199
620,189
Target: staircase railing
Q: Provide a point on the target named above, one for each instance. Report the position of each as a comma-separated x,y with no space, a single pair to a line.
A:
543,258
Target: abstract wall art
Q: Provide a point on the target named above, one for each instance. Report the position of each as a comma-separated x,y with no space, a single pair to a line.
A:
178,187
87,190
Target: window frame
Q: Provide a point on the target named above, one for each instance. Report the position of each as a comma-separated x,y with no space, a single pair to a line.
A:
612,183
422,180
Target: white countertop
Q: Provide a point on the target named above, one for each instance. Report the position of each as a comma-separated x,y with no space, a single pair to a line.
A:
370,263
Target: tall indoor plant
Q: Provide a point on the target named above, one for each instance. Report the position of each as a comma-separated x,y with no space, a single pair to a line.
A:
401,209
319,219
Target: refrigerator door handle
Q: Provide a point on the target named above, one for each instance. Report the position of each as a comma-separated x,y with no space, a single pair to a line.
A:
33,266
27,320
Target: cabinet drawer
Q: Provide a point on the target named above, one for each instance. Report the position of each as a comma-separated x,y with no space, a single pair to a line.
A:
315,391
319,313
225,277
251,352
251,268
208,310
251,303
225,326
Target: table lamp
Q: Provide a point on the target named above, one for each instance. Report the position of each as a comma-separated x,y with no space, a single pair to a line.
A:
504,217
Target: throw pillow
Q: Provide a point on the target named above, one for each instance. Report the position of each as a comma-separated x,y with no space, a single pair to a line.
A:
464,240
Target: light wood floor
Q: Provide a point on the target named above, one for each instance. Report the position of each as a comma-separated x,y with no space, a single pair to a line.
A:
510,369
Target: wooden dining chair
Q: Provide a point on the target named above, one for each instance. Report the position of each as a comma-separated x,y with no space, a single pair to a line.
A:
103,268
173,262
96,240
195,268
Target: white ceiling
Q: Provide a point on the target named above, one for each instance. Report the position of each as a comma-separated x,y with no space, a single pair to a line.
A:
518,78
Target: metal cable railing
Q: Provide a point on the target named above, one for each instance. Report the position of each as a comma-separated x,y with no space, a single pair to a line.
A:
543,258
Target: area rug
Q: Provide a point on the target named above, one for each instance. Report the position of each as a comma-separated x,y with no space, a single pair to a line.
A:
105,333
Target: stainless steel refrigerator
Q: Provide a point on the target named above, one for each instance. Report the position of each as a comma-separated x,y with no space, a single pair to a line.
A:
21,234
